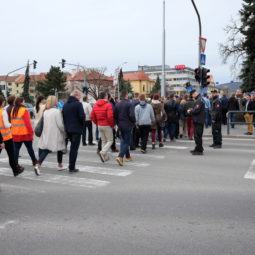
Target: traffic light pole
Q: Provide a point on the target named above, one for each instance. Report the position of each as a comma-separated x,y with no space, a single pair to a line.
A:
199,44
163,84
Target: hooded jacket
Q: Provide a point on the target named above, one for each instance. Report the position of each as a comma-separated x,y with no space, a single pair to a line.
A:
102,113
74,116
144,114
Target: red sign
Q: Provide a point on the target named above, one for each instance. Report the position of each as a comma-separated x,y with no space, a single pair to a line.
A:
180,67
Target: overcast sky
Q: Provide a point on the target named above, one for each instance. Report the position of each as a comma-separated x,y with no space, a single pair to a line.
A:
97,33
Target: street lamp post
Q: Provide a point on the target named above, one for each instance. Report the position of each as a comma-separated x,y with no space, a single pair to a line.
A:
200,35
163,84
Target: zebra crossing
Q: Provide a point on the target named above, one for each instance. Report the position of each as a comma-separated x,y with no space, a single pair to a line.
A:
87,164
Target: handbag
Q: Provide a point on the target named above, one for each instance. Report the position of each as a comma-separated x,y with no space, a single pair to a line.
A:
39,127
161,123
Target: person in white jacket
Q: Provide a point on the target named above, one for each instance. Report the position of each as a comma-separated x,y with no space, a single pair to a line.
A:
88,123
53,134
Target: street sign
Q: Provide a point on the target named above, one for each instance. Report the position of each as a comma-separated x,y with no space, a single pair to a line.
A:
202,44
202,59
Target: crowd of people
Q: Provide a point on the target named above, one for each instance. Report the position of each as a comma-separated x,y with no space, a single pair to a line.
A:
133,120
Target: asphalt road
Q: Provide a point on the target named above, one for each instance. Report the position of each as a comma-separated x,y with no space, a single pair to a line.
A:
164,202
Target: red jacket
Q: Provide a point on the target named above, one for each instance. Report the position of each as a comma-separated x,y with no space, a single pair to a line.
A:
102,113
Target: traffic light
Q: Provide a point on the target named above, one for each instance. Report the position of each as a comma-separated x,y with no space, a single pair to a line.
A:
205,77
198,74
63,62
34,64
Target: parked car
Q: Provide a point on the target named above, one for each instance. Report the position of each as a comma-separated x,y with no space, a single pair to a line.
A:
30,109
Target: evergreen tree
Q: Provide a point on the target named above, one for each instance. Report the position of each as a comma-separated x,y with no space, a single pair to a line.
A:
25,93
241,44
156,88
55,82
124,85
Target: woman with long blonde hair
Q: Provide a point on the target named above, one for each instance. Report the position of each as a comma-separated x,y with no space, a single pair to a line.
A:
53,134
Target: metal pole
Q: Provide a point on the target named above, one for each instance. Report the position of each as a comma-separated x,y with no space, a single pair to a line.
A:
200,35
163,84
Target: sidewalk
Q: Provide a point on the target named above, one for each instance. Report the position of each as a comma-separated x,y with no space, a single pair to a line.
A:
237,132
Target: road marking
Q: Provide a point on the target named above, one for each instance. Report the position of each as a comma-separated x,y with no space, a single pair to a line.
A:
251,171
10,222
175,147
58,179
88,169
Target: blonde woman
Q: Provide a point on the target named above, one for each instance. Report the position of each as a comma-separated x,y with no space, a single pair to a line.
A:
53,134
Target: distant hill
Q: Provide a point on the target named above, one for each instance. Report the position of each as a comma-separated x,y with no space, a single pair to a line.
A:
232,86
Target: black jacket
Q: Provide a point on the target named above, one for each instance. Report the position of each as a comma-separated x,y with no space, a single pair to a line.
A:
250,105
124,114
216,112
74,116
233,104
189,104
198,111
171,109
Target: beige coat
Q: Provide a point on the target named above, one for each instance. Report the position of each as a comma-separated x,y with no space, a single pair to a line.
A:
53,135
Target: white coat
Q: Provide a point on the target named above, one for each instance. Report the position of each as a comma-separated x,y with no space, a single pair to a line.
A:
53,134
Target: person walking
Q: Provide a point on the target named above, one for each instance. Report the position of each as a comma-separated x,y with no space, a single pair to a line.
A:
216,114
102,116
233,105
144,116
10,101
88,123
224,109
22,130
39,108
171,109
182,119
125,119
160,118
190,126
135,132
198,116
248,116
74,121
6,139
52,138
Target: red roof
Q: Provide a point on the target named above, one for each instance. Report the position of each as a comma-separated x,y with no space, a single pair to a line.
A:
9,78
136,76
33,78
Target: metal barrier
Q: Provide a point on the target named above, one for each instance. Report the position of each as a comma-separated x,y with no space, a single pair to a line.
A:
229,123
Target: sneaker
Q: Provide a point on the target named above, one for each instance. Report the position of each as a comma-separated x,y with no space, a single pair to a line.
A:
35,162
120,161
61,168
217,146
129,159
37,170
115,150
143,151
101,156
161,145
192,151
73,170
212,145
19,171
91,144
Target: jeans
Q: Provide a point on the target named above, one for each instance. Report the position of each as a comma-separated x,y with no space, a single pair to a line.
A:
144,131
9,147
125,140
172,130
207,118
75,140
30,150
43,154
233,118
159,133
88,125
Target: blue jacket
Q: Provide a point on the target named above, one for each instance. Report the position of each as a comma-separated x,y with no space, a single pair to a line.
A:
74,116
124,114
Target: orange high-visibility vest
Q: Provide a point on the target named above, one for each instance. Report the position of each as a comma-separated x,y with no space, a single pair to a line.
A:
18,123
6,132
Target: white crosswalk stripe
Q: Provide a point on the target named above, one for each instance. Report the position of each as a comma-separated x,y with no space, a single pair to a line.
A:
58,179
88,169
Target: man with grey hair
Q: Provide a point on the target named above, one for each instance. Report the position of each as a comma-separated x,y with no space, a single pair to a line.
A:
74,121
